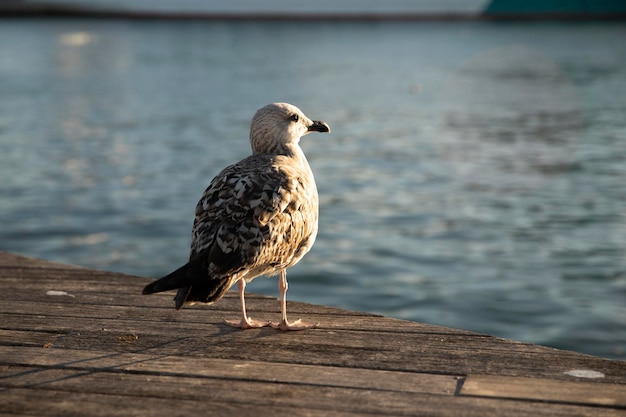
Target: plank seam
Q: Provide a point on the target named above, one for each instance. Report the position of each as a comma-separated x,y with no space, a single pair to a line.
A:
546,401
82,371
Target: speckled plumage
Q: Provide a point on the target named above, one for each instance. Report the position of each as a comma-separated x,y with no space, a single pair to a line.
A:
257,217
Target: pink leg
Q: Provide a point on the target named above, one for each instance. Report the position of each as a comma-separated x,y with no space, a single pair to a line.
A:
245,322
284,324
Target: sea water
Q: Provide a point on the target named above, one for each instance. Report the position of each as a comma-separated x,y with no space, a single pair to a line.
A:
475,176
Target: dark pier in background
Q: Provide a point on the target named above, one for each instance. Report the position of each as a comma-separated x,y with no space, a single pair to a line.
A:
76,341
442,10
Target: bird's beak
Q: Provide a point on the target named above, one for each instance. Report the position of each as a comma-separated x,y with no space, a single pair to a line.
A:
318,126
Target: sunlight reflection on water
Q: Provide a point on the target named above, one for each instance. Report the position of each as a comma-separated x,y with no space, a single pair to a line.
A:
474,177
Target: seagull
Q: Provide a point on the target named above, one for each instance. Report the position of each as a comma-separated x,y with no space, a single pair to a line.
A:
257,217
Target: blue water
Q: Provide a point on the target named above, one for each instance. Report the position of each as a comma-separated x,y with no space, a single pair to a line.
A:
475,176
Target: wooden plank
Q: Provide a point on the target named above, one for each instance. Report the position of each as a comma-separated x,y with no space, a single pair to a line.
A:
170,321
234,369
73,307
80,393
103,347
451,354
230,390
573,392
243,399
40,402
27,338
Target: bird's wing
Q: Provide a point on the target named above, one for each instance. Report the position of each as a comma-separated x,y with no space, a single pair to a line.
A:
251,217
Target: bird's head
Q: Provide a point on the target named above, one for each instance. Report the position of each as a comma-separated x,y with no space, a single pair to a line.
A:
277,127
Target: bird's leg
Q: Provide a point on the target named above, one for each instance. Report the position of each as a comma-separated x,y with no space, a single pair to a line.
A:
246,322
284,324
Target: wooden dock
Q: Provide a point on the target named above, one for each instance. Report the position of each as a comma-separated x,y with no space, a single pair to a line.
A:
79,342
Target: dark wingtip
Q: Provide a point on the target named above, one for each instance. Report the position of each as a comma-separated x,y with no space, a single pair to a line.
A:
181,296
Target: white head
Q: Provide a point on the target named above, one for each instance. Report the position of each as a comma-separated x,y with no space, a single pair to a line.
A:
277,127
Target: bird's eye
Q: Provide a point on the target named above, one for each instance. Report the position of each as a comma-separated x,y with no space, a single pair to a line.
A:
294,118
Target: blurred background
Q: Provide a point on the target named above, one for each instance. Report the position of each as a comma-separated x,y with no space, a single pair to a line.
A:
475,176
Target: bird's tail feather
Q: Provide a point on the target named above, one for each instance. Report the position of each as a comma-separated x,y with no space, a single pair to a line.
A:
193,285
172,281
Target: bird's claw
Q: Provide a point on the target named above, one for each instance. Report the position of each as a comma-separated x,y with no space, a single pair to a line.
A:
295,325
247,323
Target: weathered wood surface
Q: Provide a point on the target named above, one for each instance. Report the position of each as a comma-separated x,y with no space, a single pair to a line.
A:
104,349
